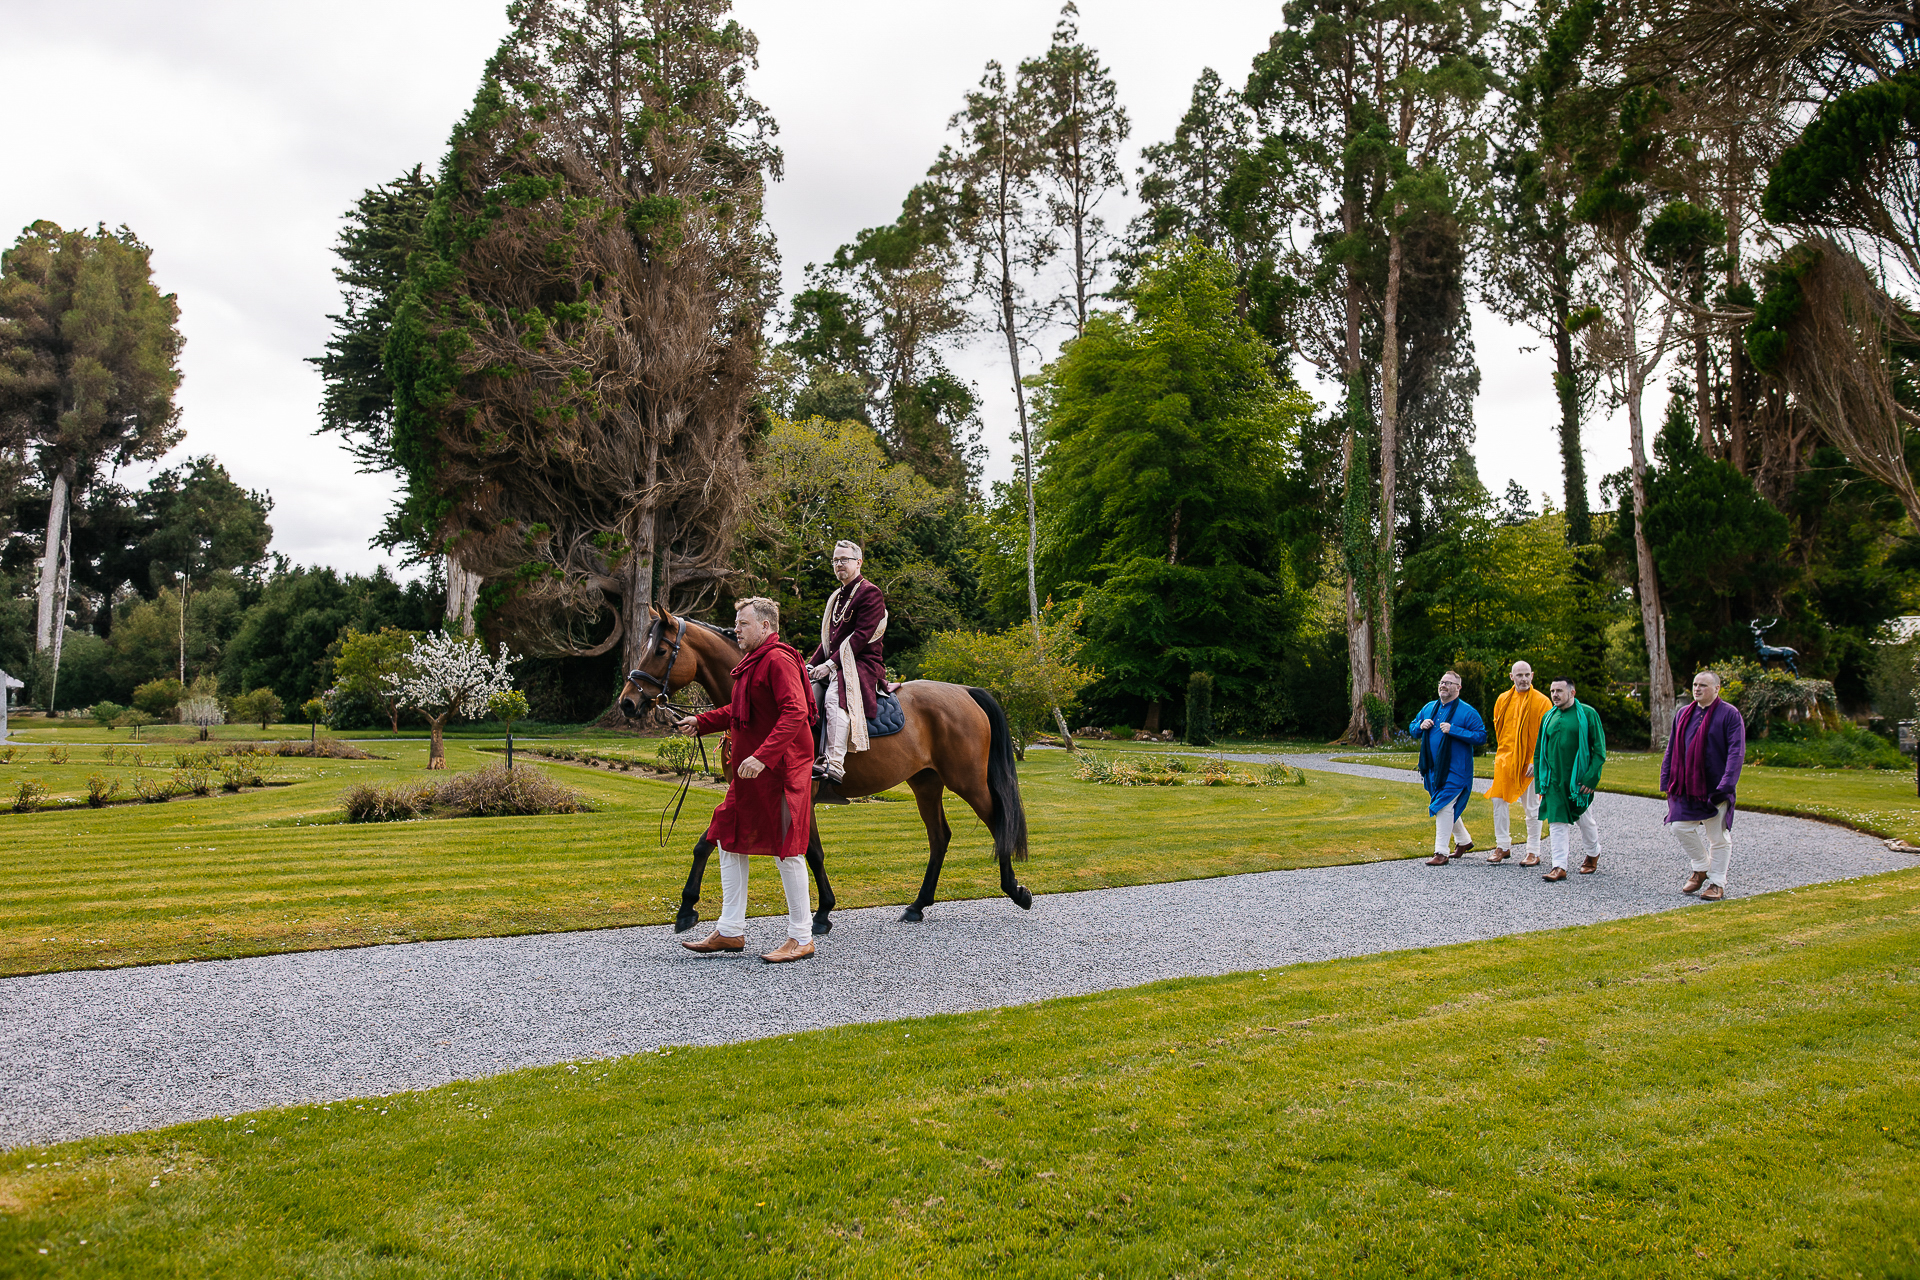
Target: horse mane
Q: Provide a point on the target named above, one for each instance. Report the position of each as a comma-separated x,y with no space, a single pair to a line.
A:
728,634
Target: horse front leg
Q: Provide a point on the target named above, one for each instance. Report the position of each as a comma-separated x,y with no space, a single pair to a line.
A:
817,863
926,794
690,896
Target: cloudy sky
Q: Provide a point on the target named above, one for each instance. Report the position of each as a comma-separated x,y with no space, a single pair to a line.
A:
231,137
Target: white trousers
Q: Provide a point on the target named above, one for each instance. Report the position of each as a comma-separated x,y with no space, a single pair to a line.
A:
733,896
1502,831
1560,838
1709,845
833,743
1448,831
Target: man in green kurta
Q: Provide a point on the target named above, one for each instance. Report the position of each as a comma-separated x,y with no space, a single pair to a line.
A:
1566,763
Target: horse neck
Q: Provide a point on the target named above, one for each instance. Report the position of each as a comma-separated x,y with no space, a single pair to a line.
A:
714,661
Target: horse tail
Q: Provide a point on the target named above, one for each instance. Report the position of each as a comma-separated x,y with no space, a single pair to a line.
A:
1003,783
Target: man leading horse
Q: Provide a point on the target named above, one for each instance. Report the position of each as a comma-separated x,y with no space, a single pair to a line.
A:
850,665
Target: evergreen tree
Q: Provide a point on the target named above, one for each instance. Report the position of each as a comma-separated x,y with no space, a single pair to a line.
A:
89,363
575,350
1168,444
1081,125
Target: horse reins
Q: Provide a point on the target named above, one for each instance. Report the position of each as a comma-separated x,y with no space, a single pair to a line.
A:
661,702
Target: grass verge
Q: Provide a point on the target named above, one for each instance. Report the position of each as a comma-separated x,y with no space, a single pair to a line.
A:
1722,1091
1879,802
279,870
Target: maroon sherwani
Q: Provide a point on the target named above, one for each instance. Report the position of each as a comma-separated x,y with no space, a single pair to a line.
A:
771,718
854,623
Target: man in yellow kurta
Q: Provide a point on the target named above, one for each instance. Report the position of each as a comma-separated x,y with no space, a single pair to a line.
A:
1516,728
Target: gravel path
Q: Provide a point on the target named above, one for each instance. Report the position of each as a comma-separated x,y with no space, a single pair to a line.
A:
129,1049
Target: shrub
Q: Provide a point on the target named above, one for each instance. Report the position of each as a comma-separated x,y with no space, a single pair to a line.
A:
6,754
1122,733
101,789
1283,775
328,748
197,778
151,790
237,771
1027,679
28,797
106,713
1379,715
1200,709
493,792
1846,747
677,754
367,802
56,755
158,698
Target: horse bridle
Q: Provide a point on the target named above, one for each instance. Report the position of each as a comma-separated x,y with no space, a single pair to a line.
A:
659,700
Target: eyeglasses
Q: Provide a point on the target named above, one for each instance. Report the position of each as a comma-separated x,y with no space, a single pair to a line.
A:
846,559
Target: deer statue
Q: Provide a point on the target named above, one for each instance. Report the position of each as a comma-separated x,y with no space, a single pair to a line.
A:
1773,653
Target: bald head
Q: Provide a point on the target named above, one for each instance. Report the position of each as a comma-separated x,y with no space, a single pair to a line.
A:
1522,676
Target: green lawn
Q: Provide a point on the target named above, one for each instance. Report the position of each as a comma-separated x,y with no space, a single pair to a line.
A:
275,870
1723,1091
1879,802
40,731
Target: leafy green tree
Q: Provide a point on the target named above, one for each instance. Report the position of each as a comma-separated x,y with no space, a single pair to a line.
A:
1031,679
1374,105
260,704
575,348
1183,181
865,337
105,713
816,482
1081,125
364,666
89,363
158,698
1168,440
507,706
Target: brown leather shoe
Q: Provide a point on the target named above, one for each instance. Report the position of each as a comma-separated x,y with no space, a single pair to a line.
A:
1712,893
1532,860
1556,875
1589,864
1463,848
1694,882
788,951
1499,855
716,941
1438,860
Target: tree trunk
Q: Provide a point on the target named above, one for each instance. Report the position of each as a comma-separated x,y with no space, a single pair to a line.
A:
60,614
1566,387
1389,469
463,592
1653,618
1703,394
437,752
59,508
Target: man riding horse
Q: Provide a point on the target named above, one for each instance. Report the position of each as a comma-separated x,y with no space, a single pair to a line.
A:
849,657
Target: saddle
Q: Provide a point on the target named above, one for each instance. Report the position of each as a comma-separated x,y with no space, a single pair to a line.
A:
890,720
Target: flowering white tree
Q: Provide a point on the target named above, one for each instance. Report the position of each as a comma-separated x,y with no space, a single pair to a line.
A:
449,676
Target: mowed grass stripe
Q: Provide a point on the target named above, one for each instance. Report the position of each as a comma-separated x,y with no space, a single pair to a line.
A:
1724,1092
195,879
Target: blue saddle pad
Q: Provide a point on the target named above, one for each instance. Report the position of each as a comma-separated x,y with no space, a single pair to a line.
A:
891,719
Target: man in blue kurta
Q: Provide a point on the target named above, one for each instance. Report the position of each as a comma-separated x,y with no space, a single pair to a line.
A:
1699,773
1448,730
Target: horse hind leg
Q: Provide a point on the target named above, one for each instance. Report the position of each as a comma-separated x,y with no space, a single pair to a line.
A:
926,794
688,915
817,863
980,798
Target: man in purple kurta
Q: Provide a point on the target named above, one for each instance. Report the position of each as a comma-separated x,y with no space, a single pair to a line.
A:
1699,773
850,663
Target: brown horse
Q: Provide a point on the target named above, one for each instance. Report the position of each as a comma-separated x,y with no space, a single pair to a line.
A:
955,737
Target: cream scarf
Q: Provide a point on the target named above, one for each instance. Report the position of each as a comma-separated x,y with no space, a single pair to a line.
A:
849,670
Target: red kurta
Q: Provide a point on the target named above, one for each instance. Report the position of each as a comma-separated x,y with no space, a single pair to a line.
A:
771,719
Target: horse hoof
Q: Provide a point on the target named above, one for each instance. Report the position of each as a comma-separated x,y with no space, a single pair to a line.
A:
1022,897
821,925
687,918
912,915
